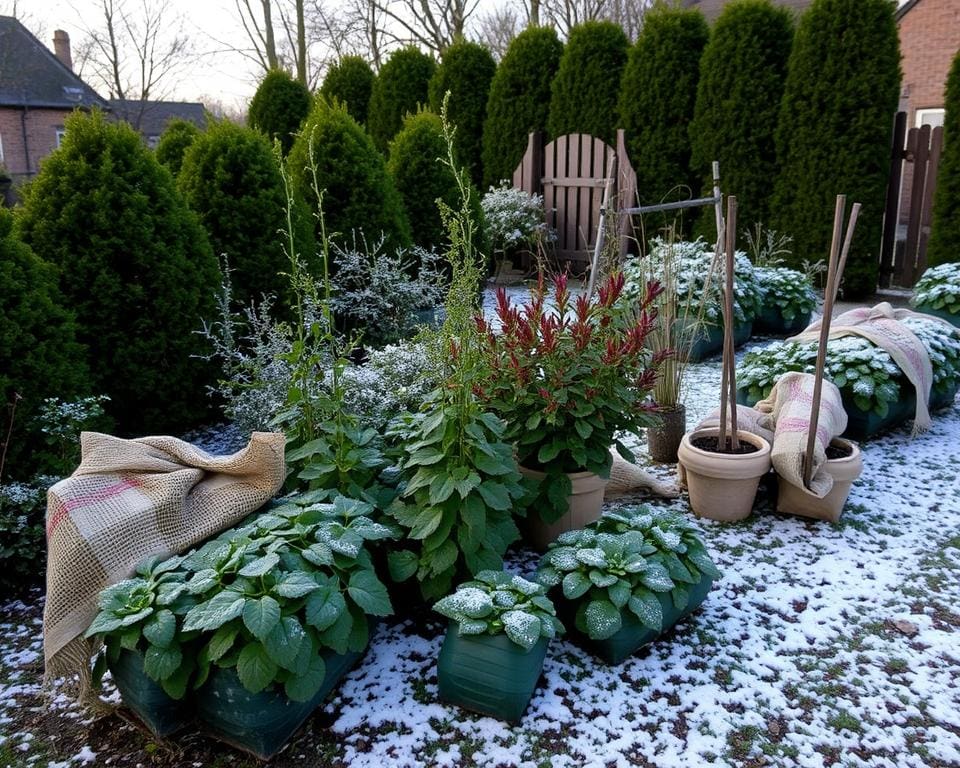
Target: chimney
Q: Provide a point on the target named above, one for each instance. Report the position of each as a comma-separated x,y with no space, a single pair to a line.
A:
61,47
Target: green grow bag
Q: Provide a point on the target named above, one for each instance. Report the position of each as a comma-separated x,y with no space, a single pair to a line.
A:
261,723
489,674
633,635
162,714
950,317
943,398
771,321
709,340
741,333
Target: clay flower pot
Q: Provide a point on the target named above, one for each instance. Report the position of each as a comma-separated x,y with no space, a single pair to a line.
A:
585,502
664,439
798,501
722,486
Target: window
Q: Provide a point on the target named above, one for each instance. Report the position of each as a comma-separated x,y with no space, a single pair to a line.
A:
60,134
931,117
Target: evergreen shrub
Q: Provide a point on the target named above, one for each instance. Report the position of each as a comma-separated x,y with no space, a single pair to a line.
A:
350,81
279,107
944,243
176,138
401,87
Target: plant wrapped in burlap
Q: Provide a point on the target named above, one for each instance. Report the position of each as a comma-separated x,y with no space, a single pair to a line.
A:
129,500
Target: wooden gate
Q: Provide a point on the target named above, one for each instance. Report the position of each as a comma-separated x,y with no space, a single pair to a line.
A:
571,172
914,160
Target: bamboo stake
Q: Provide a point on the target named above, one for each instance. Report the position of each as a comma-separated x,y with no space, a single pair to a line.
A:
601,226
829,296
851,225
729,360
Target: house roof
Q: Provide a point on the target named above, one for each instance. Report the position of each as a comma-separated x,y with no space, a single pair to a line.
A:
905,8
712,8
151,117
32,76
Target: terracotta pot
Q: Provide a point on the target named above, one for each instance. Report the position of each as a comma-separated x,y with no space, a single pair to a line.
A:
664,439
722,486
798,501
585,502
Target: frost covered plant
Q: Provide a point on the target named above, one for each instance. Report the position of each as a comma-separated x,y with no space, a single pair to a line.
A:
514,218
378,293
698,279
865,374
266,598
61,422
23,541
621,563
500,603
790,291
939,288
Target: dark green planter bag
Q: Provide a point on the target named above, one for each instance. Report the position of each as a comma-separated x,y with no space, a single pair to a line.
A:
771,321
162,714
489,674
951,317
261,723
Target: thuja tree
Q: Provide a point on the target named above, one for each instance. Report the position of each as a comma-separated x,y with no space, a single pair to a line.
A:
136,268
945,238
350,81
401,87
833,135
279,107
420,176
465,71
584,92
519,100
657,96
39,354
742,74
176,138
358,192
230,178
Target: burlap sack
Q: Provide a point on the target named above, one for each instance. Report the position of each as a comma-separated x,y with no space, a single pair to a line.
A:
128,500
881,326
789,404
748,420
628,479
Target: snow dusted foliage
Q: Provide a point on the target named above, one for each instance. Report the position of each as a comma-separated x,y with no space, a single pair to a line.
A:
939,288
514,219
862,371
789,290
499,602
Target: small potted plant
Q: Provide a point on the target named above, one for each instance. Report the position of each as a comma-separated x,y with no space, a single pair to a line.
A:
567,376
627,578
938,292
788,303
493,652
514,223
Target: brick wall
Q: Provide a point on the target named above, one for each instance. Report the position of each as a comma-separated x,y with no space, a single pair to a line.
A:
41,130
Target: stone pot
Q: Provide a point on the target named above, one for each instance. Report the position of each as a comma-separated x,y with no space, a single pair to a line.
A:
584,505
664,439
794,500
723,486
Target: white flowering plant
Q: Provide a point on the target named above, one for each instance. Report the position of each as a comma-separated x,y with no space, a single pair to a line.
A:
790,291
621,562
23,540
865,374
698,282
496,603
514,219
939,288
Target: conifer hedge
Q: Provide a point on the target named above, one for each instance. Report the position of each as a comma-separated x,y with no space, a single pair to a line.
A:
519,100
136,268
279,107
944,245
742,74
358,192
833,135
465,70
401,87
584,92
350,80
177,136
657,96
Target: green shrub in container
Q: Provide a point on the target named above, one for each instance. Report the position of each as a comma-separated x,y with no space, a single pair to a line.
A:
938,292
492,655
260,623
627,578
789,300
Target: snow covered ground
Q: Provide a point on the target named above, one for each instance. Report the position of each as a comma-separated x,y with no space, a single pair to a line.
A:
822,645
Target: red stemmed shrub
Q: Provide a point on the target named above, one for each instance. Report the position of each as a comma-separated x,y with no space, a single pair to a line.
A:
567,376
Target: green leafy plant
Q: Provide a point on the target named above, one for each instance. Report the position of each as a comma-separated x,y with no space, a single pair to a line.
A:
265,598
350,81
621,562
939,288
459,479
788,290
279,107
500,603
567,376
514,219
945,232
401,87
60,423
175,140
23,535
